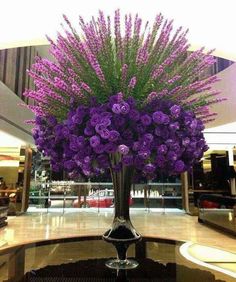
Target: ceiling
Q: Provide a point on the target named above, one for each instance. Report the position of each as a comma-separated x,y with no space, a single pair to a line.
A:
211,23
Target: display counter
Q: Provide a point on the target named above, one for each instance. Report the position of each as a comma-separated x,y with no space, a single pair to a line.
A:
218,211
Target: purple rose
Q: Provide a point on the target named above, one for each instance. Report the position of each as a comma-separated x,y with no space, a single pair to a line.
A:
131,101
69,165
175,111
174,126
138,162
103,160
127,134
185,141
149,168
52,121
89,131
106,115
77,119
160,161
140,128
105,134
162,149
171,156
160,118
119,121
95,119
124,108
94,141
123,149
179,166
134,115
114,136
194,124
110,148
99,149
146,120
65,132
127,160
105,121
144,154
136,146
148,137
116,108
116,98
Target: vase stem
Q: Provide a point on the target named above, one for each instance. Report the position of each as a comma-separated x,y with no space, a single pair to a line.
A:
122,182
122,233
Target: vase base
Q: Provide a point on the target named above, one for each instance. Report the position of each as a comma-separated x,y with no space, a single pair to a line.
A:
121,264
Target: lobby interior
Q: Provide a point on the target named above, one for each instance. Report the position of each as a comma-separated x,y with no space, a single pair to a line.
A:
195,210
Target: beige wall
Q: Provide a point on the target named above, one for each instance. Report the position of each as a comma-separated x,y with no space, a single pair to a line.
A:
10,174
10,110
227,109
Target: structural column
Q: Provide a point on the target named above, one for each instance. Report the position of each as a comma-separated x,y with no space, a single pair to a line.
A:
27,175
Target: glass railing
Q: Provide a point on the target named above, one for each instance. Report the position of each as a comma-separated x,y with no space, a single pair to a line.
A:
68,194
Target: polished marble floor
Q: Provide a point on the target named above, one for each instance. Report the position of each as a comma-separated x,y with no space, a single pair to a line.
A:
34,226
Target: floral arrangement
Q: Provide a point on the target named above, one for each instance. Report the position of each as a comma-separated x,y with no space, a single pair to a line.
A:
137,94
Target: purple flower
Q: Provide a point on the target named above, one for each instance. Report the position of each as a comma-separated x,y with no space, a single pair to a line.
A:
139,162
65,132
149,168
148,137
119,121
171,156
94,141
116,108
95,119
99,149
194,124
114,135
132,82
110,148
175,111
127,134
162,149
136,146
52,121
179,166
103,160
70,165
105,121
134,115
144,154
160,118
131,101
124,108
89,131
104,133
127,160
123,149
185,141
160,161
161,133
107,115
174,126
146,120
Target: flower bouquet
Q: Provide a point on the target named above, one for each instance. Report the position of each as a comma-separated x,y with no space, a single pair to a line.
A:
130,102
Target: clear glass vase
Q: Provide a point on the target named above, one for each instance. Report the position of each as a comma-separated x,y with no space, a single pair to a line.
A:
122,233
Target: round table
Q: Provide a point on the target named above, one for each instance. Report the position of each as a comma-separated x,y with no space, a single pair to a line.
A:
83,259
